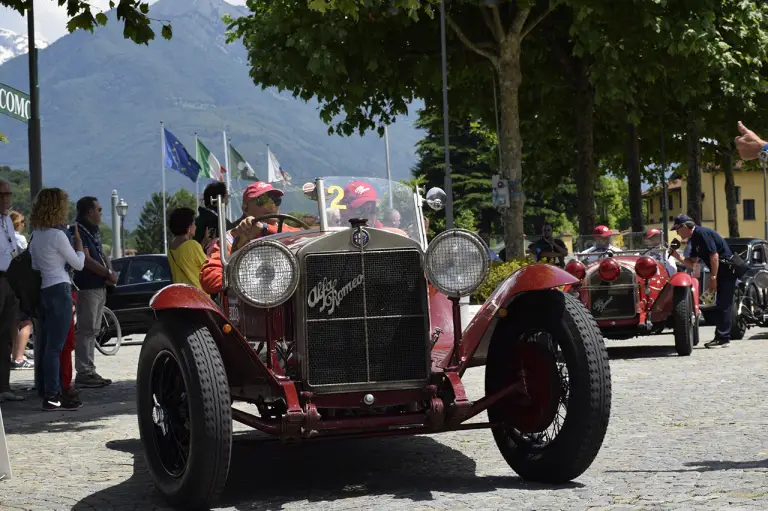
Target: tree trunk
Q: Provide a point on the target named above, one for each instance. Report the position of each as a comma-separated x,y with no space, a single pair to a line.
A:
586,170
634,180
694,171
730,193
510,76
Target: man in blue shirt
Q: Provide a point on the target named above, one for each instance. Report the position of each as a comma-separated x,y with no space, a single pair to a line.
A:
91,283
709,247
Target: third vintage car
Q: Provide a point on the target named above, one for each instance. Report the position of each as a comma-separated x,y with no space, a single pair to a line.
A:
352,328
631,287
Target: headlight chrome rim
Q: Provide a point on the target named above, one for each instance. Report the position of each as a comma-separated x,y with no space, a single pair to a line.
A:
477,242
234,278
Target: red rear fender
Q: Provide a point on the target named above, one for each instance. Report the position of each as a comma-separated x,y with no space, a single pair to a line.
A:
535,277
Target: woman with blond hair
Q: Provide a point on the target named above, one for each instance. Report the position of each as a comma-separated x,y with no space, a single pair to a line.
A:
51,253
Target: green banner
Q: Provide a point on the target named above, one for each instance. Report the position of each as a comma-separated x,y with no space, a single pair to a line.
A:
14,103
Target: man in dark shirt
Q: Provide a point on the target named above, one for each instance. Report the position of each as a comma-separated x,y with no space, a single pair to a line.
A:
549,248
92,292
709,247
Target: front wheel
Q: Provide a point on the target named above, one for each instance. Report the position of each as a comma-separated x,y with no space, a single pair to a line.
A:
550,346
184,412
684,320
110,336
739,319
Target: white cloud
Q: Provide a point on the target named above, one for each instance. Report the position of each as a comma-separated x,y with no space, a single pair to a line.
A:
51,20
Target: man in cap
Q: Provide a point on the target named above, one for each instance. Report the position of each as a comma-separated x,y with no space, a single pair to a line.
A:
361,201
259,199
709,247
602,237
657,251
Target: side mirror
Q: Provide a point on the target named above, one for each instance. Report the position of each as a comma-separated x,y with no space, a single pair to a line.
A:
436,198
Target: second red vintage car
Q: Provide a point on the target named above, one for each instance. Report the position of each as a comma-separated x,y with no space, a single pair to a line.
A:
632,288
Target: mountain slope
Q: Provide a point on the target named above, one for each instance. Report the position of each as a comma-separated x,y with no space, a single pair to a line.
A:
102,99
13,44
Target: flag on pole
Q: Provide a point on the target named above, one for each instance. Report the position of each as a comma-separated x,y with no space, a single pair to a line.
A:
209,165
177,158
243,169
275,172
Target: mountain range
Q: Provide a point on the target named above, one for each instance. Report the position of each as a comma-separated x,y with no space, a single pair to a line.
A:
103,97
13,44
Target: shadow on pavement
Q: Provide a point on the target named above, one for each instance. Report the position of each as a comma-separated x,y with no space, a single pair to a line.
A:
632,352
708,466
267,475
26,417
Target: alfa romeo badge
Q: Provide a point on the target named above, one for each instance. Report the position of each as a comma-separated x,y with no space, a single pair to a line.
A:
360,237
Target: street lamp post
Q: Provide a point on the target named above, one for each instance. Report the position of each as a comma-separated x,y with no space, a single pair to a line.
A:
448,183
33,126
122,211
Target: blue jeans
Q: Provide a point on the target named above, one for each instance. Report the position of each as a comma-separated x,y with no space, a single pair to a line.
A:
56,312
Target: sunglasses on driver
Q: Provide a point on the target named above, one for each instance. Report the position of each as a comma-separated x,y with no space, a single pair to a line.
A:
267,199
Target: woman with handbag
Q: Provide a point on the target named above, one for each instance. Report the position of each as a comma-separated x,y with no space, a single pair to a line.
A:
185,255
51,252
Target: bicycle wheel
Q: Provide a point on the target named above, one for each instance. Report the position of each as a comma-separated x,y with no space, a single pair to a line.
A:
110,336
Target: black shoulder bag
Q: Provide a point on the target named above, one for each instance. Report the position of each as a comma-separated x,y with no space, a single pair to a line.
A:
735,265
25,281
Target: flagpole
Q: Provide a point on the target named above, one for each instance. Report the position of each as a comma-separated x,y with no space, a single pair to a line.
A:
228,172
269,162
165,216
197,181
389,175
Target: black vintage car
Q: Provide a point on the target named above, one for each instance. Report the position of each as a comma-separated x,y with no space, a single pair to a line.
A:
750,304
139,278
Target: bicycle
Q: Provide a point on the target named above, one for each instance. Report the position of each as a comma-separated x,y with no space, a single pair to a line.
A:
110,335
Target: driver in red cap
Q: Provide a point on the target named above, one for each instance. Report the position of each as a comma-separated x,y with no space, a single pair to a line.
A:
657,250
602,236
259,199
361,201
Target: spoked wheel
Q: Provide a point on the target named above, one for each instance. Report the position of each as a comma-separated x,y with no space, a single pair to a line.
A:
110,336
684,319
552,426
739,321
184,412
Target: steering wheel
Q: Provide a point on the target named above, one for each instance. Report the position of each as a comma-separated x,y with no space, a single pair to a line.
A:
281,218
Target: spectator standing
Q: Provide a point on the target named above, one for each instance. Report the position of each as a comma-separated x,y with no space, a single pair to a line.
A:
709,247
9,305
92,283
51,252
207,222
185,255
485,235
18,360
548,247
65,361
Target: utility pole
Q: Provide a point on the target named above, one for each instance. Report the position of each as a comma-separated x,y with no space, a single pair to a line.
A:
33,127
448,182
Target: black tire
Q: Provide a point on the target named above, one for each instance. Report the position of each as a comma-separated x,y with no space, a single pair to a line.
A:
205,414
696,330
738,322
684,320
568,324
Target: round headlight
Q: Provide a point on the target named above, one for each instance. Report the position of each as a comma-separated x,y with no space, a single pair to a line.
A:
457,262
264,273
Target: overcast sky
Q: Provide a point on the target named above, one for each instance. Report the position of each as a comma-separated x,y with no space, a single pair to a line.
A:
51,20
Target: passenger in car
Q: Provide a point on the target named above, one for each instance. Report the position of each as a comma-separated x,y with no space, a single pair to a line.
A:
658,251
259,199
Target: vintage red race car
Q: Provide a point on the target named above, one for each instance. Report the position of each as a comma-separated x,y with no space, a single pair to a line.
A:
352,331
633,290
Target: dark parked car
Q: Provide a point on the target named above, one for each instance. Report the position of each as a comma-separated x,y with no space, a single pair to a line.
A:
138,279
750,304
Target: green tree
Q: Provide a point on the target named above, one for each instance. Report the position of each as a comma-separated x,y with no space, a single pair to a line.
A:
149,233
137,25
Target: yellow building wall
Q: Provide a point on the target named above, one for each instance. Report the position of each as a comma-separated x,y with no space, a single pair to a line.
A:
714,211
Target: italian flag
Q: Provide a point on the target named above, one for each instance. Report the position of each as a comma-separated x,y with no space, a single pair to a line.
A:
209,165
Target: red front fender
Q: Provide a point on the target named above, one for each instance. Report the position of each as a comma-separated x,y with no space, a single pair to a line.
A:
183,296
534,277
681,279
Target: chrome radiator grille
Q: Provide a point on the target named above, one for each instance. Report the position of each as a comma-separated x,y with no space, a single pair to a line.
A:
367,318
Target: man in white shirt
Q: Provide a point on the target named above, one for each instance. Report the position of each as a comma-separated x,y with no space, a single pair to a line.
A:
9,306
602,237
658,251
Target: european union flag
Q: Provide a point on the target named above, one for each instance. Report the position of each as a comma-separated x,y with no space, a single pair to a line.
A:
178,159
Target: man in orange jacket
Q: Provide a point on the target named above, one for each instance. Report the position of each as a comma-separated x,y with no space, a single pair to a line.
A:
259,199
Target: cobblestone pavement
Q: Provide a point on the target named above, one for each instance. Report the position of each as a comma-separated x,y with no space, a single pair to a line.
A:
685,433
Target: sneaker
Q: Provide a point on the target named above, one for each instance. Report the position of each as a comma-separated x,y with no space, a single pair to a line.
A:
22,364
10,396
71,394
91,381
106,381
60,403
718,343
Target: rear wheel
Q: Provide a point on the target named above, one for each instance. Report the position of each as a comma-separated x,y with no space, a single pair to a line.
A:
110,335
552,347
684,319
184,411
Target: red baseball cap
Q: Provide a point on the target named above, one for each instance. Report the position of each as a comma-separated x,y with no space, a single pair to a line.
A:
651,233
601,231
358,193
258,189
